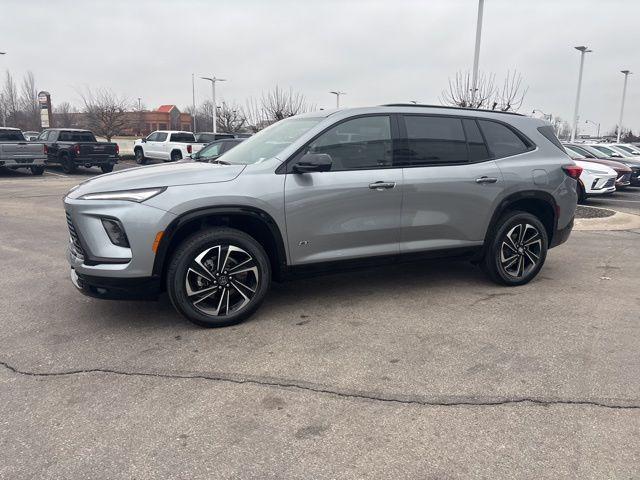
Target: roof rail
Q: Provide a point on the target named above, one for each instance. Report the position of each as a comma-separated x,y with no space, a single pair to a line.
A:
450,108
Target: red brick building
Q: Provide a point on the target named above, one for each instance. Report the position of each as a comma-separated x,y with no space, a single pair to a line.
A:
166,117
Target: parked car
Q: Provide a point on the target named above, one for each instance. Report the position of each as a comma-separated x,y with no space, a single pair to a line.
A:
31,136
627,147
595,179
73,147
165,145
208,137
623,172
610,152
16,152
632,163
320,191
214,149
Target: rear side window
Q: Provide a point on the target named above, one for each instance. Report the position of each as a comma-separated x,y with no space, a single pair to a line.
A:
501,140
433,141
205,137
76,137
548,133
183,138
11,136
477,149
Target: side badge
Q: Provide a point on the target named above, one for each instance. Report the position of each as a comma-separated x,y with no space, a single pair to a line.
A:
303,243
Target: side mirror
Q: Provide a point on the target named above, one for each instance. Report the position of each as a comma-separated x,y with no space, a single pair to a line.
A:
144,140
616,155
313,162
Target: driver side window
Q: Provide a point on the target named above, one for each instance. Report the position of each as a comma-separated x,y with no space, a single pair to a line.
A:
359,144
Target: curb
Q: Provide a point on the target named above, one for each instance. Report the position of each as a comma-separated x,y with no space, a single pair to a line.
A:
618,221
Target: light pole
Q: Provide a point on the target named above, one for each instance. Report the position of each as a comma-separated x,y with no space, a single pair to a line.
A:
476,54
624,94
193,100
337,93
213,81
597,125
574,130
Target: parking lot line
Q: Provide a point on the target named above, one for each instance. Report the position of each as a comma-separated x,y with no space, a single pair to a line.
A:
57,174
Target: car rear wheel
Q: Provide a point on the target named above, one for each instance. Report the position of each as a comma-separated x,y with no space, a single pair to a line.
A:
37,170
68,165
582,195
218,277
517,250
140,158
176,155
106,168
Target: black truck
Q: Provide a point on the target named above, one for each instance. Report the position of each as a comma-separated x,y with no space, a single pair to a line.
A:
71,148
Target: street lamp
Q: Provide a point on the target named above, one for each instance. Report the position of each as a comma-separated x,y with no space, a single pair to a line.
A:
624,94
213,81
597,125
574,130
476,53
337,94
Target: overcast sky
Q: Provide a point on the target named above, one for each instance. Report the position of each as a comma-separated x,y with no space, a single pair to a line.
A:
376,51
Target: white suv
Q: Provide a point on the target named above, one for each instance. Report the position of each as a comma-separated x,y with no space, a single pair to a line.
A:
165,145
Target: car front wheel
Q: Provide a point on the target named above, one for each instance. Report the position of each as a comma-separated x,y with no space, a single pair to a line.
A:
517,250
218,277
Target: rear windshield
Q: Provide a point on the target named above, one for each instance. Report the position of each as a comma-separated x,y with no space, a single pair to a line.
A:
548,133
11,136
76,137
183,138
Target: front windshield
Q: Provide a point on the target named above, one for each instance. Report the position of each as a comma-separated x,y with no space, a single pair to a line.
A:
271,141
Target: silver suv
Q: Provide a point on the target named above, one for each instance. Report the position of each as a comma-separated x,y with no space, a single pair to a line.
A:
324,190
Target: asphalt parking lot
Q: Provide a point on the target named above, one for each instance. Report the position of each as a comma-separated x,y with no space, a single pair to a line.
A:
412,371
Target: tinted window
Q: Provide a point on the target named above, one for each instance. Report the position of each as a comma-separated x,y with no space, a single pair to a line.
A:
43,136
582,151
160,136
183,138
477,149
11,136
152,137
229,144
205,137
549,134
501,140
210,150
433,140
358,144
76,137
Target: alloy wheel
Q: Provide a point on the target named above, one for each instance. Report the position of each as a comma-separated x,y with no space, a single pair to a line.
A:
520,250
221,280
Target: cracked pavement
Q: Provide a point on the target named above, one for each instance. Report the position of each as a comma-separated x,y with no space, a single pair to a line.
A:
418,370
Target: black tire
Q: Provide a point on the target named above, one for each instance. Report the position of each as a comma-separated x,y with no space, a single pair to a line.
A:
247,289
37,169
139,155
106,168
68,165
529,248
176,155
582,195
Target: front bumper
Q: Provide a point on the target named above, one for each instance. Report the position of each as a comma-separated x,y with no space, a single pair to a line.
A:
108,288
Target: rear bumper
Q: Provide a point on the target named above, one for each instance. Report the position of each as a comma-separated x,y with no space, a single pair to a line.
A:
561,235
23,162
110,288
95,161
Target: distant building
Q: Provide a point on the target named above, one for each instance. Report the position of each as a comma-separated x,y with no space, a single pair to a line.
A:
141,124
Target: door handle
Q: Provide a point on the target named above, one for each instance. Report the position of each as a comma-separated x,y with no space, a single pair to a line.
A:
382,185
485,179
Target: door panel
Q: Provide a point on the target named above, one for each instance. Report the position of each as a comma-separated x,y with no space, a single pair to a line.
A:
336,215
446,206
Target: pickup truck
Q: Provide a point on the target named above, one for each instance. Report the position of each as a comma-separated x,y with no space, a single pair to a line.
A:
16,152
166,145
71,148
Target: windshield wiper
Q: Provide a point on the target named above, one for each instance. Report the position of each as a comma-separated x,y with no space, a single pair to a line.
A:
219,162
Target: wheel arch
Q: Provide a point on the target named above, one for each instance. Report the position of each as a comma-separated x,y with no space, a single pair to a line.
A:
541,204
253,221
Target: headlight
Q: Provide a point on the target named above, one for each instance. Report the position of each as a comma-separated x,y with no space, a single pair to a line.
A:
139,195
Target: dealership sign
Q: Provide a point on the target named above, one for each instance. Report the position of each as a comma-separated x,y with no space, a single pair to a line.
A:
44,99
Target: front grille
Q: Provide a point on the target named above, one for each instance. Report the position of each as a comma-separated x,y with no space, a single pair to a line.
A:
610,183
625,178
76,246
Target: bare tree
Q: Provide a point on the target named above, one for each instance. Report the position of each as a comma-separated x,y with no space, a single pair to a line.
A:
230,118
487,95
254,114
28,104
278,104
63,115
106,112
10,101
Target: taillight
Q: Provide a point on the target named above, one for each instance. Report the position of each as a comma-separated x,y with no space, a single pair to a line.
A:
189,149
573,171
46,149
117,149
77,149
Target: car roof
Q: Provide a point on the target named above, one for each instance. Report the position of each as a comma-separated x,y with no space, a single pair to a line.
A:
69,129
408,108
9,128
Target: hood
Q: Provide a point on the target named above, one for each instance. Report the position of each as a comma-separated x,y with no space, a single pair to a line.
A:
617,166
595,167
163,175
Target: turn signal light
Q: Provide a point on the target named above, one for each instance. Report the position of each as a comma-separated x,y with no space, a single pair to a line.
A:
77,149
573,171
156,242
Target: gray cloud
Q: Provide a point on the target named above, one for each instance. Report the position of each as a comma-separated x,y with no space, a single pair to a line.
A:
376,51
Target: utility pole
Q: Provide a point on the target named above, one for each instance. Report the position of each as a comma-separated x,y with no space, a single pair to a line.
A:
476,54
337,93
574,130
624,94
193,99
213,81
